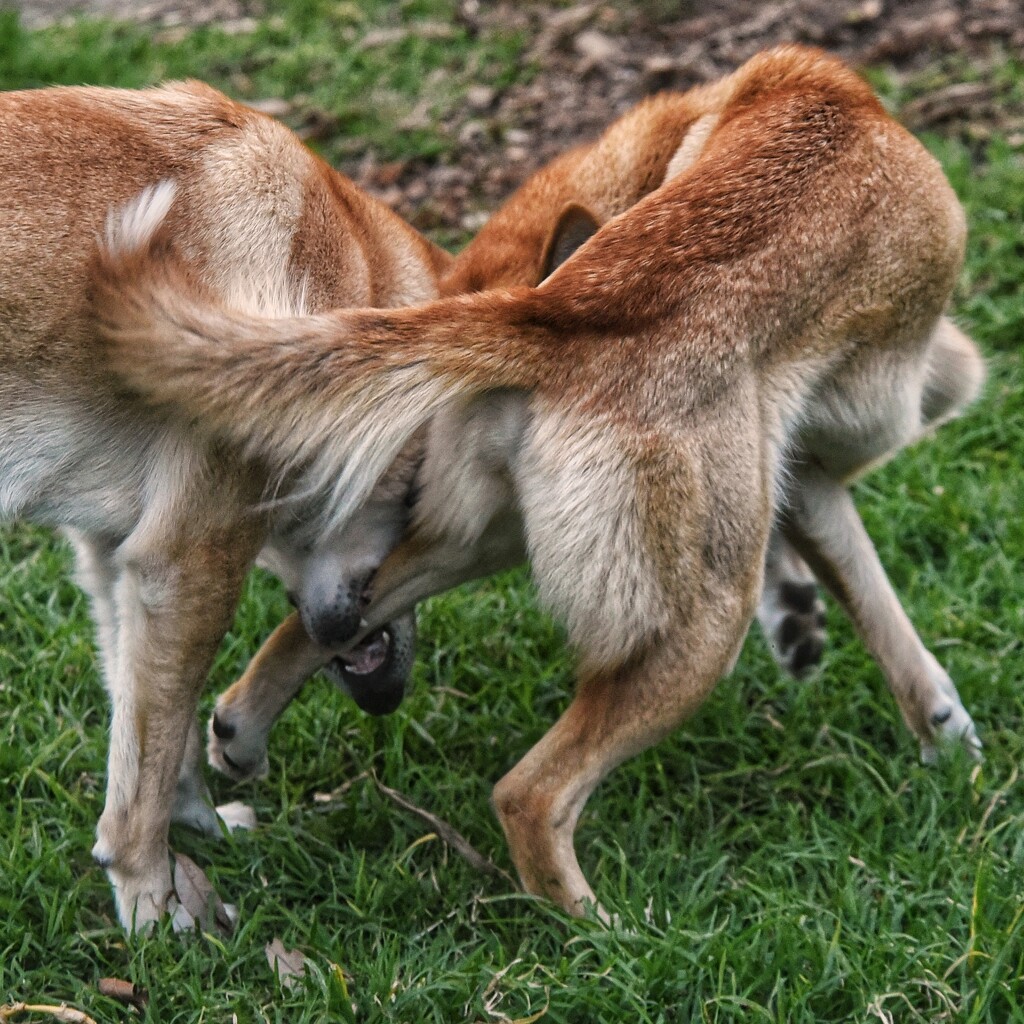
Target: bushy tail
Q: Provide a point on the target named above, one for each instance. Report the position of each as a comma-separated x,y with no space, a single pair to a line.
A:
333,396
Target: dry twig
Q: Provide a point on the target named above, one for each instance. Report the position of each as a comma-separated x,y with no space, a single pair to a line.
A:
448,834
63,1012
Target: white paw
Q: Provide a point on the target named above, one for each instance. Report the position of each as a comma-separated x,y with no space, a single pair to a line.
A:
235,752
140,902
952,726
949,724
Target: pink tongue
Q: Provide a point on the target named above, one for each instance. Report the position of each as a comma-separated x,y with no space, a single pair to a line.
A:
368,656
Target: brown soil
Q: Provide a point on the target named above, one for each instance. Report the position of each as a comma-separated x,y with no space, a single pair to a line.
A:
595,60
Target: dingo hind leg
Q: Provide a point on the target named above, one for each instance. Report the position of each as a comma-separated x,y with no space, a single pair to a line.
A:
883,402
791,613
614,715
824,526
658,583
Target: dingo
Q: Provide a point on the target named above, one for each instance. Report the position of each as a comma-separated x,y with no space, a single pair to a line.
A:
723,355
164,525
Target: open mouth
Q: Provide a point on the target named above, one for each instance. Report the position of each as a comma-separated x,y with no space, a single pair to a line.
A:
366,673
368,656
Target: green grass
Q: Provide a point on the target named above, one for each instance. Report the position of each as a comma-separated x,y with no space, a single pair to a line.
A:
335,62
783,857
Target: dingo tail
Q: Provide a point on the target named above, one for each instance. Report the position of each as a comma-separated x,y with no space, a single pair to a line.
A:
332,397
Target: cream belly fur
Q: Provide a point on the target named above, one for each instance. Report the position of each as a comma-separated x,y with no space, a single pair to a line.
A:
702,376
165,522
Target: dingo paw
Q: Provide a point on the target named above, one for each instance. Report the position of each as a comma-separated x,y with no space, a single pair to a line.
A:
234,750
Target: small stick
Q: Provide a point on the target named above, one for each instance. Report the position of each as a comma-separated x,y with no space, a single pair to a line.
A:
62,1012
447,834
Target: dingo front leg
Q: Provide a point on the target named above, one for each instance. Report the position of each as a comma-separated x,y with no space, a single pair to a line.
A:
247,710
174,602
374,672
98,573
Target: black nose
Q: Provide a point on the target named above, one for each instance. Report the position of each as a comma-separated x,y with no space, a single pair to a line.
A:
332,625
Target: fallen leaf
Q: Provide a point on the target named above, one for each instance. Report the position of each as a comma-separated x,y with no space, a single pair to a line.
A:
197,899
124,992
288,964
237,816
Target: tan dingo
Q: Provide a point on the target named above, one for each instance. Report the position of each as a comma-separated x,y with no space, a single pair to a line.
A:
721,356
164,525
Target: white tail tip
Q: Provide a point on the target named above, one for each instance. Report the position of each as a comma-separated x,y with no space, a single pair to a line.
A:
132,226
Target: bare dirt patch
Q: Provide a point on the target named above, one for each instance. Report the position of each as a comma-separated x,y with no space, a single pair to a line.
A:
589,62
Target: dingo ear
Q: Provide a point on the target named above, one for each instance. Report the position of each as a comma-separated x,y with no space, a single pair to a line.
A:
574,227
